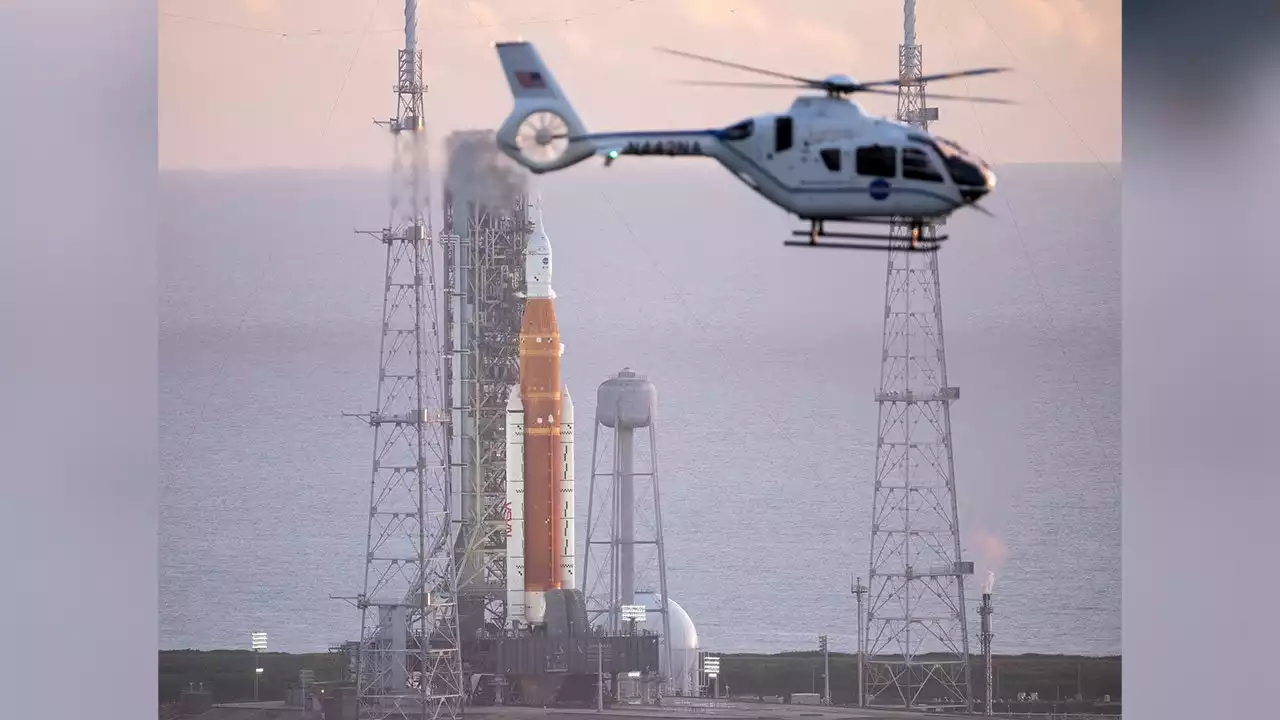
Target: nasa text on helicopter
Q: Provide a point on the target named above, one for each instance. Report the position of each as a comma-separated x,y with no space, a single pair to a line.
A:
824,159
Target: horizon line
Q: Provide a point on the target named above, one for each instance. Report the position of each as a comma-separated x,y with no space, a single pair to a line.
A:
373,169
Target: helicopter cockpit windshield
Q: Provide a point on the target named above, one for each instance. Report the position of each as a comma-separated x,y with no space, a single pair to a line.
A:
967,170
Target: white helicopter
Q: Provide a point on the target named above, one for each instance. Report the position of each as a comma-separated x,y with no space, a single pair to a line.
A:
824,159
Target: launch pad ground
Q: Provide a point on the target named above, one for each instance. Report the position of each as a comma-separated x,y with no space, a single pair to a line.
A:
672,709
689,709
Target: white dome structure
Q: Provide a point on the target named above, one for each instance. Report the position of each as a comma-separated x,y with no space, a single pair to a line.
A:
684,643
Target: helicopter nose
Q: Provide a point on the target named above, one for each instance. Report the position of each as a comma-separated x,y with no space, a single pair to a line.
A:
973,193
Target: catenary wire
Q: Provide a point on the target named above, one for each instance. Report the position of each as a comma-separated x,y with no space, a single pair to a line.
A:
1031,268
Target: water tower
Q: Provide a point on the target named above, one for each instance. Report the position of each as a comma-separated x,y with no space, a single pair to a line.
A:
625,562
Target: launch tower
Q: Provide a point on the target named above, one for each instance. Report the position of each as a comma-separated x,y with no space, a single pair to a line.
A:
409,662
917,575
486,230
547,654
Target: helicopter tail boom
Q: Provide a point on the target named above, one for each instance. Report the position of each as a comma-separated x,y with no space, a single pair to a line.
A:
543,132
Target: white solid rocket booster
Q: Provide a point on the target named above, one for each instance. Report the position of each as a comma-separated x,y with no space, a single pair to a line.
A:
567,580
516,604
515,506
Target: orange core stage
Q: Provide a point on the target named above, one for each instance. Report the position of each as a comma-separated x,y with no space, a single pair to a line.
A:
540,396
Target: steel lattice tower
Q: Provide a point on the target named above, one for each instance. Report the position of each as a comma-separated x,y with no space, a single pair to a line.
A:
486,228
409,664
917,633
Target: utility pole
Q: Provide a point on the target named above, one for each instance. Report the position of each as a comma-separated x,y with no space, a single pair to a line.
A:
859,590
826,669
600,678
258,642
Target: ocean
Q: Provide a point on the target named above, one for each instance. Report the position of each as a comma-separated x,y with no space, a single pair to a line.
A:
765,359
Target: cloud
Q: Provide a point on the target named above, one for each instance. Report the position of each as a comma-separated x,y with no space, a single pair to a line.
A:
771,27
261,9
483,14
718,13
579,41
1068,19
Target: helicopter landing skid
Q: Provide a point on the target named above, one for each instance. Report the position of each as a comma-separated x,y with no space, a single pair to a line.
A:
910,243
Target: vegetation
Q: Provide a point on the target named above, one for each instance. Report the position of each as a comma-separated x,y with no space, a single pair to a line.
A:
228,674
1052,676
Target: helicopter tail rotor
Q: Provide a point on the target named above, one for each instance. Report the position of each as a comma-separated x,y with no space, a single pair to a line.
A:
543,130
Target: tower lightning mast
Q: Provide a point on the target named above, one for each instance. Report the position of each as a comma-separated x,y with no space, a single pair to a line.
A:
409,663
916,573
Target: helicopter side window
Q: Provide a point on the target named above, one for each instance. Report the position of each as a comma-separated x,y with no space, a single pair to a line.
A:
916,165
877,161
830,158
782,134
741,131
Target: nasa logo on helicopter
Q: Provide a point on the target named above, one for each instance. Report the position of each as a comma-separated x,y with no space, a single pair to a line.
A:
867,170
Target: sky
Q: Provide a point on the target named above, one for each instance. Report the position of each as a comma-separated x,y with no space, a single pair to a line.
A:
250,84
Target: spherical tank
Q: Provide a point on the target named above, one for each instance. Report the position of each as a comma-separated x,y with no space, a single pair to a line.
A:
626,401
684,642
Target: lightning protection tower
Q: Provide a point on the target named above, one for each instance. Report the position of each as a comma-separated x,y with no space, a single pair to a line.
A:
625,553
408,664
917,576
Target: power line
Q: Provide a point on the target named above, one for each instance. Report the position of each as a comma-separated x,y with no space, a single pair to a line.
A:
373,9
1047,96
1031,269
705,331
480,24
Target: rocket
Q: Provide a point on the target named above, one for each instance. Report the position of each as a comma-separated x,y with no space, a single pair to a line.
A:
539,431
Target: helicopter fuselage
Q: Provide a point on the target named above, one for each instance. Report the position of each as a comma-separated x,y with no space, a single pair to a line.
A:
824,159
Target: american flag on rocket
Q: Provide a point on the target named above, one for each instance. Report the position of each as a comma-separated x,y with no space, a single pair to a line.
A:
530,79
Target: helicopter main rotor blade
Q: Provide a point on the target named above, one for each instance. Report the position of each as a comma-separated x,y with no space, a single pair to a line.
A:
731,83
945,96
981,209
808,82
938,76
970,98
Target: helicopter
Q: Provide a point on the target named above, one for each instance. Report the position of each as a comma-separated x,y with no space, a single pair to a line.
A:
824,160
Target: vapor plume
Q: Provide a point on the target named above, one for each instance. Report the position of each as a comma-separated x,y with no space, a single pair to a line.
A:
991,553
478,171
